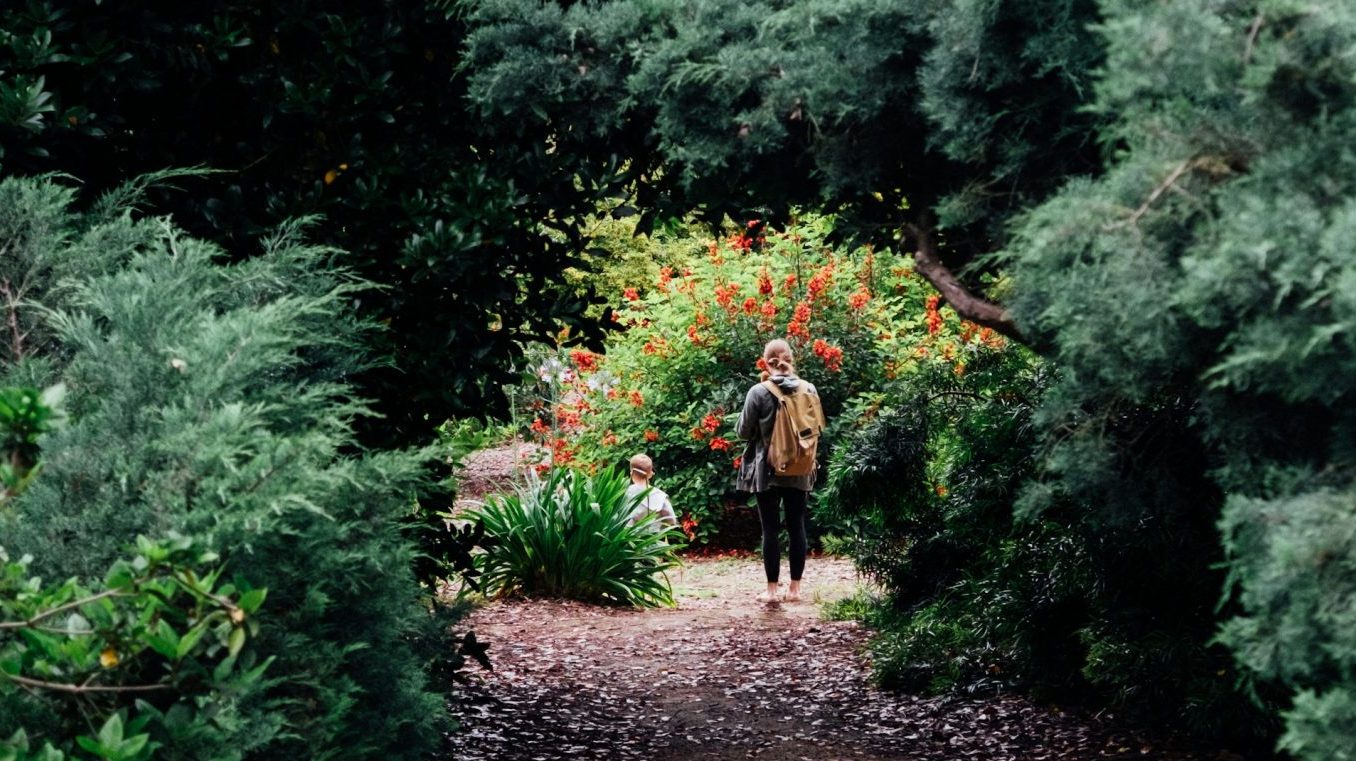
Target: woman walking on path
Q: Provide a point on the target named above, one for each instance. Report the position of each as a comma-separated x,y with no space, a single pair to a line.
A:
774,493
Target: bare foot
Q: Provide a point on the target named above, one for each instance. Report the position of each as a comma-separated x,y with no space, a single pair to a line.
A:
767,598
791,597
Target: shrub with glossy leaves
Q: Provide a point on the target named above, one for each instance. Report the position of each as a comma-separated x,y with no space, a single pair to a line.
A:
162,634
566,534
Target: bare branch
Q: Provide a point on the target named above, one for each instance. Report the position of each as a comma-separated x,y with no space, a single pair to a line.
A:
969,306
1252,37
12,307
33,622
85,687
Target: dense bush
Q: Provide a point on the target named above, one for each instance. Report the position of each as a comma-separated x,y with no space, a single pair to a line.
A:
163,639
1197,299
673,381
568,535
211,400
344,108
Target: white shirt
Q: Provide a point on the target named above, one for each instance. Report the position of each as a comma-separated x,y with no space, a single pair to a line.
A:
656,501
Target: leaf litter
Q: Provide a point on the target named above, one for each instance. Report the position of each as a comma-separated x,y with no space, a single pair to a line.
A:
721,677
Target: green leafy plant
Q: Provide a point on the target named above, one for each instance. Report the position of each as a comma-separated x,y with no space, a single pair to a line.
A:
26,414
565,534
162,633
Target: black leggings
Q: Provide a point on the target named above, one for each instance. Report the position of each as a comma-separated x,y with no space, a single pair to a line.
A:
794,502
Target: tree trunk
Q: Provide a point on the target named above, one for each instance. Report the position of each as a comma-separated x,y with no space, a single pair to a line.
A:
969,306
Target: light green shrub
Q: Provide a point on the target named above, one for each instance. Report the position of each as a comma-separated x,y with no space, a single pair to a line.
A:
567,535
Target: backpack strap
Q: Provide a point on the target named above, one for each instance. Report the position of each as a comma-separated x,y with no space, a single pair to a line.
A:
777,392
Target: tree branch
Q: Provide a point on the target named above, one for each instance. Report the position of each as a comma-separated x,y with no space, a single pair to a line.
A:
32,622
77,689
12,306
969,306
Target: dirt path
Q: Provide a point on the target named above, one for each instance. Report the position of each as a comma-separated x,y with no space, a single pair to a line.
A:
721,677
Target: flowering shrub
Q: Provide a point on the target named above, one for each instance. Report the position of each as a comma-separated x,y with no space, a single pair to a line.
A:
672,383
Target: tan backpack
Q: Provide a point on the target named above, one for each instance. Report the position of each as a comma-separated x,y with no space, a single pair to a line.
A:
795,431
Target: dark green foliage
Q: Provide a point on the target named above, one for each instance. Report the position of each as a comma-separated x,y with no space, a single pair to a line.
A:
568,535
1192,289
212,400
352,110
967,108
1197,299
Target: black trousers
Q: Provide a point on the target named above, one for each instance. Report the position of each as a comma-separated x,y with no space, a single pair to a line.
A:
770,505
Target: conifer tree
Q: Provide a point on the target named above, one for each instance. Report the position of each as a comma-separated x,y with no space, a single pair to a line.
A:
213,400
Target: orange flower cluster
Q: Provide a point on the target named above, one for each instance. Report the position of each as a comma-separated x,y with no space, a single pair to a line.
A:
934,316
832,355
750,305
725,294
689,525
798,327
656,346
711,423
631,294
584,360
765,283
636,399
820,281
651,435
720,444
859,299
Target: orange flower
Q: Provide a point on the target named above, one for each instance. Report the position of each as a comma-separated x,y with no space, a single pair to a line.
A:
693,335
652,436
636,399
631,294
699,434
764,283
859,299
941,490
584,360
609,439
789,283
539,427
769,309
798,330
750,305
820,281
802,312
711,423
761,364
738,462
689,527
832,355
719,444
933,315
